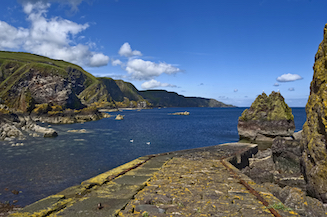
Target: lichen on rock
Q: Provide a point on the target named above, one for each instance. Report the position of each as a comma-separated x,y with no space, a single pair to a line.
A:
314,135
267,118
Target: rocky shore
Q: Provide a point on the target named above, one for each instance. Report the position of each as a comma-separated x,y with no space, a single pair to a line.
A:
13,126
17,126
279,170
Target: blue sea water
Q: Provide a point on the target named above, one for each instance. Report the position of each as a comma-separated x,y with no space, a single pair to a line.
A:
45,166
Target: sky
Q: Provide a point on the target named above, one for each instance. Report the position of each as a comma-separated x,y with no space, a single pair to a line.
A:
228,50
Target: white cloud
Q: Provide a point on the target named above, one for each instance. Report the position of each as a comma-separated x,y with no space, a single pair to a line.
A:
73,3
289,77
291,89
50,37
98,59
116,62
276,84
11,37
126,50
235,90
154,84
145,70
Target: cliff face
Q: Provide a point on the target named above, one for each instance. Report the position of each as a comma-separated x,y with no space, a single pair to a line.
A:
267,118
171,99
37,84
314,133
27,80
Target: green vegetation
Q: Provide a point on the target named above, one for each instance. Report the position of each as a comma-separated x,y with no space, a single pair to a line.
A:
33,83
268,108
279,206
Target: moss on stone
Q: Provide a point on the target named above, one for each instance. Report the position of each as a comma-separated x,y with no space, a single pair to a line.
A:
268,108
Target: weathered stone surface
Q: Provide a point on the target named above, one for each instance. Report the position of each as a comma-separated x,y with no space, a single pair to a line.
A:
280,164
286,155
261,169
267,118
314,133
296,199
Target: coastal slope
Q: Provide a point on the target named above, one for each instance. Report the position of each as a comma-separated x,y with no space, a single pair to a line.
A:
33,83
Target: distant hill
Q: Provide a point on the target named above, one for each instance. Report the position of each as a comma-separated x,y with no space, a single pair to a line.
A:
164,98
28,81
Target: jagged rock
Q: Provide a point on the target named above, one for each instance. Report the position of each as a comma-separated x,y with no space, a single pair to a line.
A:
119,117
260,169
305,206
280,164
314,135
286,155
181,113
267,118
9,131
298,135
47,132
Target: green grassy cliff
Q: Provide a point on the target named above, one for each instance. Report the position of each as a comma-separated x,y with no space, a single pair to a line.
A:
30,83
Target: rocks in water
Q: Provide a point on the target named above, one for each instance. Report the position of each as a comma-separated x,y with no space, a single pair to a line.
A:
10,131
119,117
17,144
77,131
314,135
12,125
181,113
267,118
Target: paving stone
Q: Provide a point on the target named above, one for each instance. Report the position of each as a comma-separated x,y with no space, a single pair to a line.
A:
89,207
183,183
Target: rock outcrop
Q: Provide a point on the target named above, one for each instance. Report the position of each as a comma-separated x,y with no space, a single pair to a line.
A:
13,126
314,133
280,164
267,118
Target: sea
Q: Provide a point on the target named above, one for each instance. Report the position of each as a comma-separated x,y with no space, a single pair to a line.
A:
45,166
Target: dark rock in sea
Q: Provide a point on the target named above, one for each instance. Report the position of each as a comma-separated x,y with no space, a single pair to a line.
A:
267,118
314,166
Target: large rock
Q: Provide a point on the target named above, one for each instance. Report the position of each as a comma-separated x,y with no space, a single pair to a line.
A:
286,155
314,133
267,118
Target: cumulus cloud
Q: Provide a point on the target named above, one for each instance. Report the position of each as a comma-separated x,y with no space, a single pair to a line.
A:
276,84
144,70
154,84
116,62
126,50
50,37
289,77
291,89
99,59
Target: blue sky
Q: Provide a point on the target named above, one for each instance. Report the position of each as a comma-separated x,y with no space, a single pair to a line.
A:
227,50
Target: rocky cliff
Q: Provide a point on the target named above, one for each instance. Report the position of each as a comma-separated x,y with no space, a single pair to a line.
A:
267,118
28,80
163,98
314,134
39,85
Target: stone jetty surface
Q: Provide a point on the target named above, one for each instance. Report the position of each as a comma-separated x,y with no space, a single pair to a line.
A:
196,182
